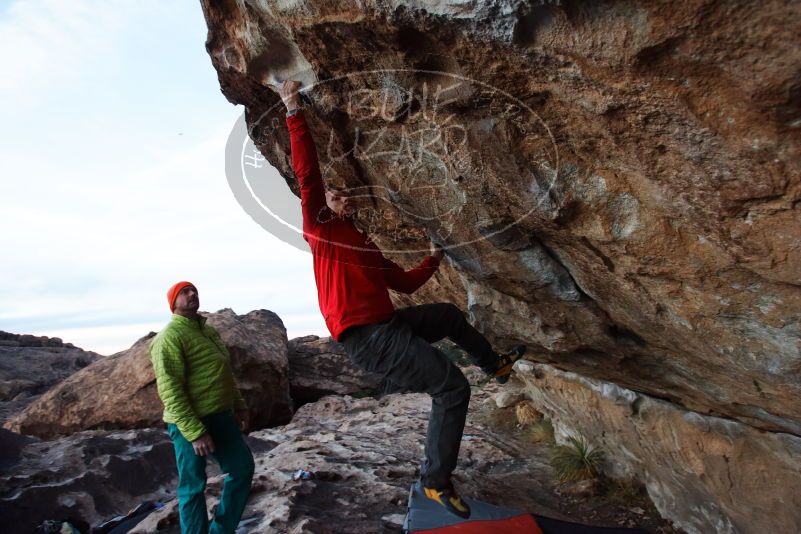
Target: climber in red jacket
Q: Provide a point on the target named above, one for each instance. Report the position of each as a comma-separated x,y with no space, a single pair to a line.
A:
353,279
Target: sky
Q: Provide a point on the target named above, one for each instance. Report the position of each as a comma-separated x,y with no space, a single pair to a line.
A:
112,184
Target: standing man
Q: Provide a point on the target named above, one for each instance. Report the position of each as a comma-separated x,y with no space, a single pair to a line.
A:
353,279
204,412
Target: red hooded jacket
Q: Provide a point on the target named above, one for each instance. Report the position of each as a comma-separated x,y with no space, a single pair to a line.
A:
352,275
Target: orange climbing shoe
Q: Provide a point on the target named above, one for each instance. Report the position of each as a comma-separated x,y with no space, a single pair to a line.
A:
448,498
505,363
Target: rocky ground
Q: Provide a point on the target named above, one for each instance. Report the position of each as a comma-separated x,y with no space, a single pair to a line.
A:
84,478
602,502
364,452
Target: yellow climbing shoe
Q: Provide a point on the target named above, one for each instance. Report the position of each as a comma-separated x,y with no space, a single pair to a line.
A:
448,498
505,363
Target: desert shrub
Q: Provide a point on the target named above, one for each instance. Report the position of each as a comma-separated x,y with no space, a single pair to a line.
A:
540,432
527,414
577,460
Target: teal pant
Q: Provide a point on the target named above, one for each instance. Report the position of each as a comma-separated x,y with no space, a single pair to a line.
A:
235,459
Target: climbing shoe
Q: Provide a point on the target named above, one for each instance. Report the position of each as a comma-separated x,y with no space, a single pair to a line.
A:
448,498
505,363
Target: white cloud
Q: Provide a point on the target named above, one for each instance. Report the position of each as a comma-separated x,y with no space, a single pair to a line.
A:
44,42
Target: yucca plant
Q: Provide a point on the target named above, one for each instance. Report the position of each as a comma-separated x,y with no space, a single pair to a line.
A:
578,460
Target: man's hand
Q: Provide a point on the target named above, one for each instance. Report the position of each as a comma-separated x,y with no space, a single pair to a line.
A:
288,90
437,252
203,445
243,417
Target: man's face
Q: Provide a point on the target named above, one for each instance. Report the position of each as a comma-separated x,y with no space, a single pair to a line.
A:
337,201
187,300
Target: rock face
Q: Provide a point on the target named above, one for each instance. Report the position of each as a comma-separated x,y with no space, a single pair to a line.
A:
319,366
707,473
119,391
617,184
29,365
655,236
85,478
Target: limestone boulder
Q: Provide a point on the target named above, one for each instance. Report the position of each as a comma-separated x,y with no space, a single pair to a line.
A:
119,391
616,185
706,473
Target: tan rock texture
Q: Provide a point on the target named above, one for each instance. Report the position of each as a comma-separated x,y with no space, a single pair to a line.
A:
707,474
119,391
649,235
617,183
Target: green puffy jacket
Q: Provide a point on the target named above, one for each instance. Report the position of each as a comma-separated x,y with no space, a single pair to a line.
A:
193,374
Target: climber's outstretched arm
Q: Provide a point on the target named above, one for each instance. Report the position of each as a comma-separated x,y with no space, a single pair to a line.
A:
304,156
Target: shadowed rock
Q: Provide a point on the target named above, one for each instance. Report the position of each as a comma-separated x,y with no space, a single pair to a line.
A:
320,367
30,365
84,478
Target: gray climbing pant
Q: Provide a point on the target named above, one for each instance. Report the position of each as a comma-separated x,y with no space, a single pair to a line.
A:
400,350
